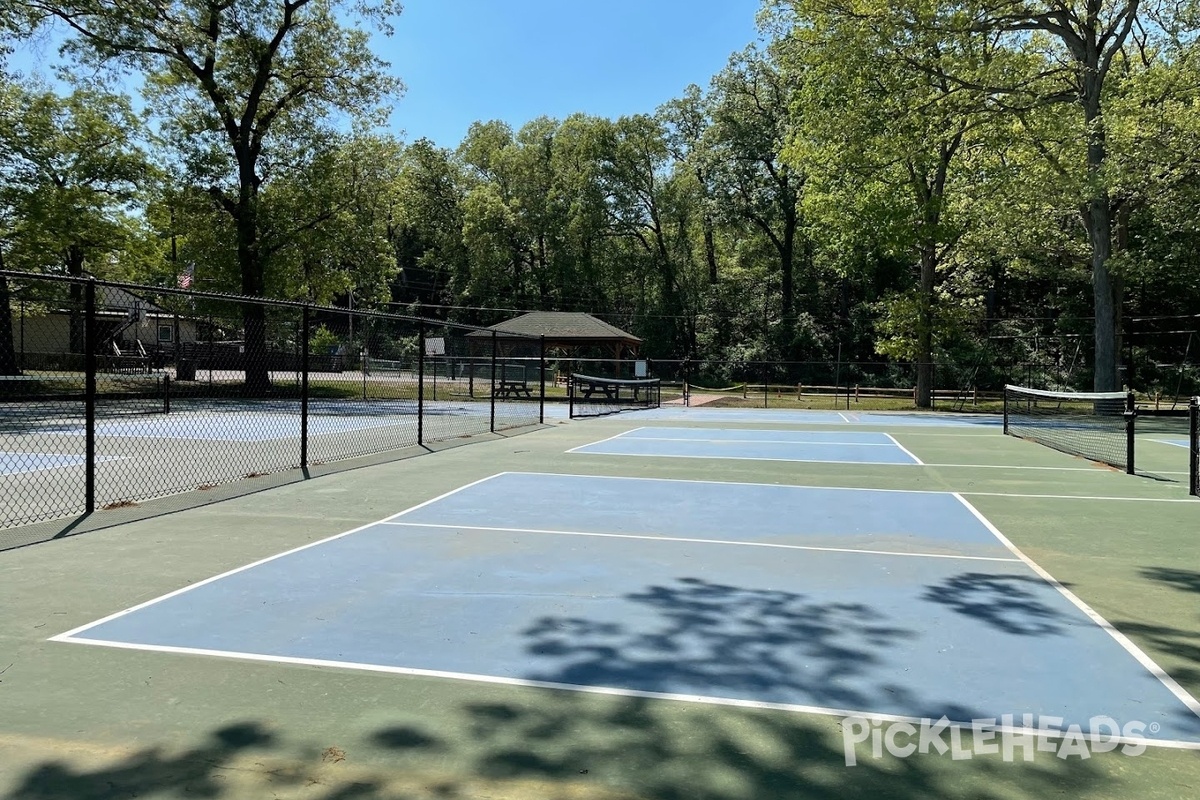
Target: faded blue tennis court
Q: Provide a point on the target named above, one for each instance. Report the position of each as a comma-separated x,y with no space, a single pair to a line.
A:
19,463
272,423
842,601
847,447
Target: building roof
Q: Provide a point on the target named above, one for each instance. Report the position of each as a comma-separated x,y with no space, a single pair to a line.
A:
560,326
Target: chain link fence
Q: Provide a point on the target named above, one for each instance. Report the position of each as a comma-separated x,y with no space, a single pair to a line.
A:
115,394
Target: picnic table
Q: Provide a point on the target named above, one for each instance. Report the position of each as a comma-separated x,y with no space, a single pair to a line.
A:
507,387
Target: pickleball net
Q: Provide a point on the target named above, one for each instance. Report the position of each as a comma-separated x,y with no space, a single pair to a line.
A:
1098,426
590,396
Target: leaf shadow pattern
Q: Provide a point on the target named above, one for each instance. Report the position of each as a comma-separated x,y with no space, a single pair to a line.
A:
190,772
1183,579
557,746
696,637
734,754
1009,603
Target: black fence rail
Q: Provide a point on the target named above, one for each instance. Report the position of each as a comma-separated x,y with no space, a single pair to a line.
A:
114,394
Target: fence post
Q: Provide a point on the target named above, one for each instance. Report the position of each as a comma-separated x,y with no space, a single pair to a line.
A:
765,392
304,348
421,382
493,400
1006,410
542,381
1194,438
1130,420
89,394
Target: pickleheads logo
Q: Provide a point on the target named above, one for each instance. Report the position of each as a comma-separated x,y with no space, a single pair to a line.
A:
1013,739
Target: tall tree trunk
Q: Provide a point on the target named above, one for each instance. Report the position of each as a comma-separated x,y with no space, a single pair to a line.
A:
254,317
1099,225
710,249
8,346
787,254
1097,217
73,259
925,328
1120,244
543,276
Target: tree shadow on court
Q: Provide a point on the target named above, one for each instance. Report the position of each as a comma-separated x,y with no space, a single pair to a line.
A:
1009,603
561,746
195,771
1182,644
1184,579
648,750
699,637
515,743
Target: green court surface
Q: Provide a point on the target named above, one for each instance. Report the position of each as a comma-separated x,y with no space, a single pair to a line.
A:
79,721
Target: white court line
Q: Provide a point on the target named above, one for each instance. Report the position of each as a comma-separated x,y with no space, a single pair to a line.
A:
81,463
755,458
614,692
945,435
905,449
72,635
1170,683
841,488
62,637
1184,445
1098,470
1082,497
743,441
691,540
609,439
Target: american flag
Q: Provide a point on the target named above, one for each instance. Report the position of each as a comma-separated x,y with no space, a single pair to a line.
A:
184,279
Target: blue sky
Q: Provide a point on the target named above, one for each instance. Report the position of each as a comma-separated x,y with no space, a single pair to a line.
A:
468,60
514,60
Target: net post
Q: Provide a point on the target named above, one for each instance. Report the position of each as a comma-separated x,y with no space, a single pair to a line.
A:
1194,447
570,395
687,398
421,382
166,393
495,351
89,394
1130,420
304,348
1006,410
542,380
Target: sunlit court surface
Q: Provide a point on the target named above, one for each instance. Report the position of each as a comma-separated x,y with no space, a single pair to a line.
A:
667,603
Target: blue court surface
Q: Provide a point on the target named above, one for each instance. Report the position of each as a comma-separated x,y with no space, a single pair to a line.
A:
676,413
845,447
832,601
19,463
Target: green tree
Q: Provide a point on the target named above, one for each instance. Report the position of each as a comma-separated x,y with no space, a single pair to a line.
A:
229,75
426,226
754,110
891,132
70,173
691,137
